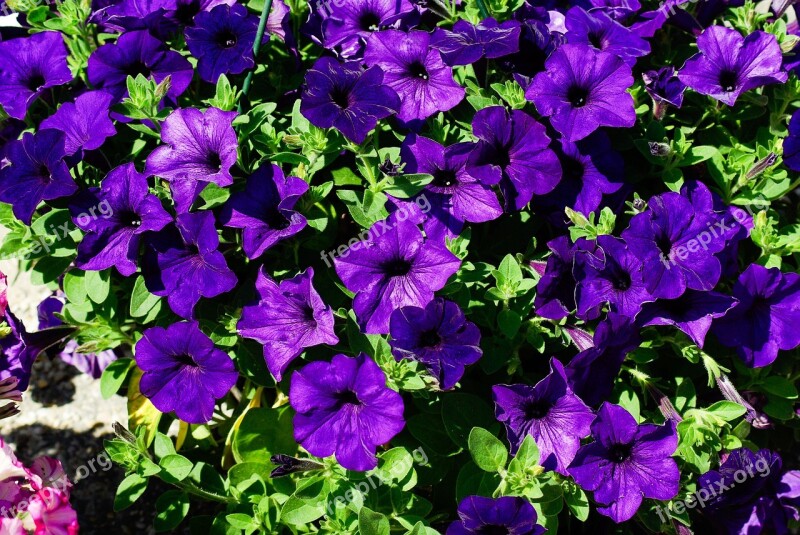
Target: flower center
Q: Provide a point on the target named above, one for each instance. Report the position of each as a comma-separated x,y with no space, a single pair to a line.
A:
130,219
340,97
226,39
501,156
418,70
348,397
664,245
277,221
577,96
214,161
369,21
619,452
186,11
35,81
493,529
727,80
536,409
596,40
573,169
397,267
44,173
444,178
136,68
186,360
429,339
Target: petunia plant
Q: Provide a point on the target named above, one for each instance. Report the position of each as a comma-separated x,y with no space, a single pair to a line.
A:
413,267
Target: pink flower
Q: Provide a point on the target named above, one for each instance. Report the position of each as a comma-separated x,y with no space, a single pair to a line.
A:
52,513
46,472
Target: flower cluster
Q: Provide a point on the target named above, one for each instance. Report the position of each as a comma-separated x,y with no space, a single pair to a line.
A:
556,227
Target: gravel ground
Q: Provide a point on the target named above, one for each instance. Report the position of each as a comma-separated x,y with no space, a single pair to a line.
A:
64,416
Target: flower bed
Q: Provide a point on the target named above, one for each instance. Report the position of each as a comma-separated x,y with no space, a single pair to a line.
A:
412,267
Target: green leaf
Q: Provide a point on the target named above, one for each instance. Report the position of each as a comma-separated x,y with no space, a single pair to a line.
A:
114,376
163,446
487,451
510,269
75,286
726,410
577,502
142,301
779,386
175,468
130,489
171,508
241,521
407,185
264,432
461,412
509,322
98,285
372,523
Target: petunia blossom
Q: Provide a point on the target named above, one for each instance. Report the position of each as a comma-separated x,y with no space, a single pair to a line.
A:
550,412
627,462
289,317
583,89
415,71
183,371
200,148
511,515
395,267
344,408
729,64
85,122
438,336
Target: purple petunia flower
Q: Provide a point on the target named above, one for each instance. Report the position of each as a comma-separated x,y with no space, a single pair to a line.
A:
395,267
591,373
36,173
611,275
555,291
455,195
627,462
729,64
583,89
467,43
598,30
664,87
590,169
348,24
676,243
415,71
200,148
508,514
791,145
265,209
536,44
85,122
347,98
344,408
183,371
288,317
183,12
767,500
183,264
137,53
513,150
438,336
616,9
28,66
766,318
692,313
127,210
550,412
222,41
130,15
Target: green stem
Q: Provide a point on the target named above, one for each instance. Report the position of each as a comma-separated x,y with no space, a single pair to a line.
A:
482,9
262,26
